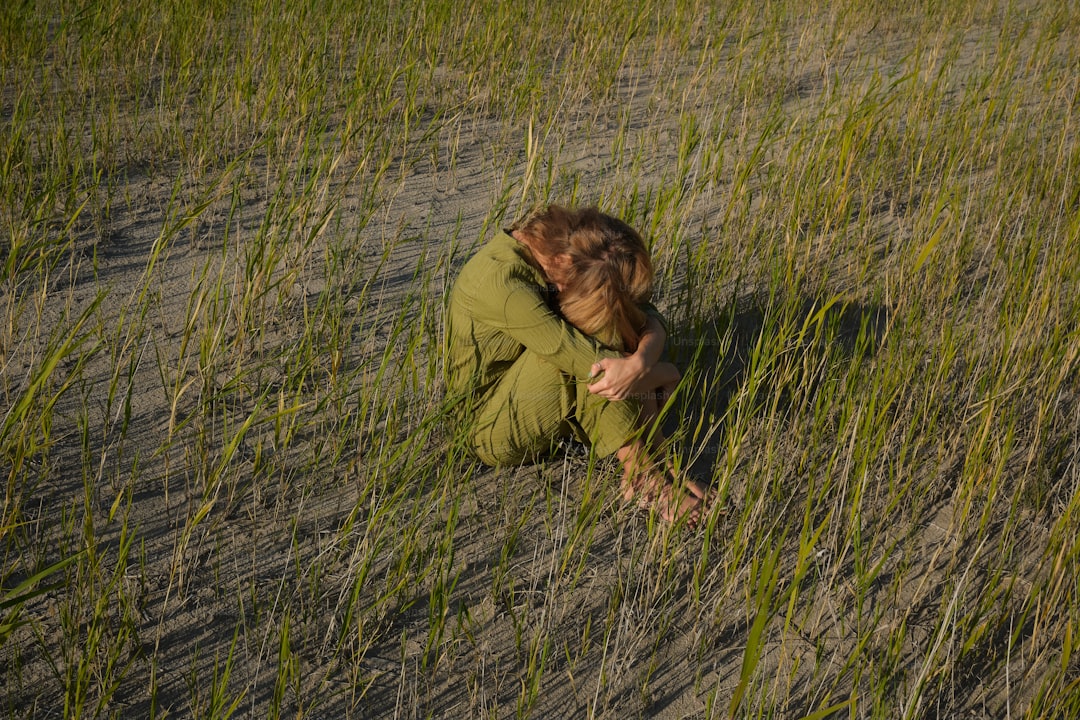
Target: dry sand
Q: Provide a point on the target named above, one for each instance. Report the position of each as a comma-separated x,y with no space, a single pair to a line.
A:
242,566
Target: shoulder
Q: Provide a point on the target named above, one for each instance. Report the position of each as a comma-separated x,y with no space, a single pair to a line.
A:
500,261
503,248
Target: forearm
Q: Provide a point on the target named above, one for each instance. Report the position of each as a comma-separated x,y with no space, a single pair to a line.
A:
651,345
662,374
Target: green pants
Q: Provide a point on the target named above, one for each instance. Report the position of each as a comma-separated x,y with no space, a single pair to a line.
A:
534,404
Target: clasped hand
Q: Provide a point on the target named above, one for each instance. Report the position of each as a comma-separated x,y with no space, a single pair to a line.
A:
628,376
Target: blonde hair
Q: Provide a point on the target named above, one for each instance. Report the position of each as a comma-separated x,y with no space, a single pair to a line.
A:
608,277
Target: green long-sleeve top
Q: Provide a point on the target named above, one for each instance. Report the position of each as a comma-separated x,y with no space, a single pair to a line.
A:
498,308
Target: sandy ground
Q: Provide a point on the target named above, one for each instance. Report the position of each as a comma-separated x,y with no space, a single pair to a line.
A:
239,569
190,589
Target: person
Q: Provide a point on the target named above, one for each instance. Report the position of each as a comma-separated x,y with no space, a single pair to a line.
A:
551,335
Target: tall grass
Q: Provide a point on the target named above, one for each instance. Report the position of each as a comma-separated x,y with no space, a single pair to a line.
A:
231,484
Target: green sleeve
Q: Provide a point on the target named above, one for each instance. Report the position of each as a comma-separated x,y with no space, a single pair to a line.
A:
517,308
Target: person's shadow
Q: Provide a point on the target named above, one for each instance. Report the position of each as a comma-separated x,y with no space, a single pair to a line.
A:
742,358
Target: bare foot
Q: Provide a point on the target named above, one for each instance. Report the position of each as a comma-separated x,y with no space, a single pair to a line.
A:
682,502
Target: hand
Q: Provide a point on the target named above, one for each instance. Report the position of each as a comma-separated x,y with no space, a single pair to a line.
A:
626,377
622,377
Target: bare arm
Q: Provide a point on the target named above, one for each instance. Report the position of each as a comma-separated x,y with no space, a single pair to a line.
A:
633,373
663,375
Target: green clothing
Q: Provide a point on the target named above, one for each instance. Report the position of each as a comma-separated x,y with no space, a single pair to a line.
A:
524,370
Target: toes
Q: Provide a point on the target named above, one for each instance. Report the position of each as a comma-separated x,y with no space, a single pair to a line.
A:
679,506
690,510
675,502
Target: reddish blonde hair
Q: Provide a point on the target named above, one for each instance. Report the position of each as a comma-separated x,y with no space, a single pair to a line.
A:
608,277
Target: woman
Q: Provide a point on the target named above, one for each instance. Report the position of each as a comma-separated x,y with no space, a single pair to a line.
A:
531,378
